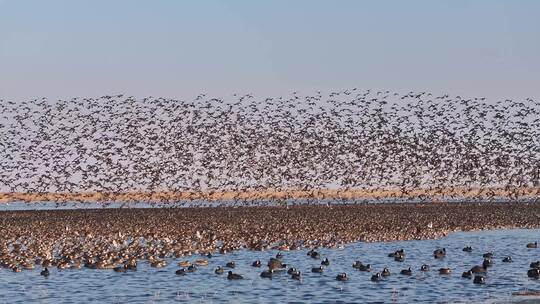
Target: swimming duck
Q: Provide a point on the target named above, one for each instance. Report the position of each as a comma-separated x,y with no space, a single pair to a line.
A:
385,272
535,265
257,263
376,277
478,269
399,258
487,263
507,259
532,245
292,270
296,276
365,267
439,253
192,268
274,264
45,272
201,262
325,262
356,265
314,254
467,249
234,276
230,264
181,271
406,271
533,273
267,273
279,256
424,267
397,252
467,274
488,255
342,277
319,269
479,280
219,270
445,270
184,263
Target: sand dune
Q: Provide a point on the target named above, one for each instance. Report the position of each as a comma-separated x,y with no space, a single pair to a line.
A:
254,195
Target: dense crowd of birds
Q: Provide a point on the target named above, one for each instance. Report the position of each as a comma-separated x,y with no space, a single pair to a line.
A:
349,139
123,256
121,238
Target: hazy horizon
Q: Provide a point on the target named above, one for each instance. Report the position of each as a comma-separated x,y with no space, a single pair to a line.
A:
63,49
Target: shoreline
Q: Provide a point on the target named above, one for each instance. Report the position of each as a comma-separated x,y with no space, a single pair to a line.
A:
270,194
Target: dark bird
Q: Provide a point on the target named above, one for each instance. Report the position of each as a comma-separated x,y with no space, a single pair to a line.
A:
439,253
479,280
267,273
342,277
406,271
376,277
234,276
467,274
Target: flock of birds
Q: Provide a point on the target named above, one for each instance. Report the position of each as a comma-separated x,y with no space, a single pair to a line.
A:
348,139
276,265
13,258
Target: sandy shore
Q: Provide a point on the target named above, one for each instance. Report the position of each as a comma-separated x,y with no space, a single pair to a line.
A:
253,195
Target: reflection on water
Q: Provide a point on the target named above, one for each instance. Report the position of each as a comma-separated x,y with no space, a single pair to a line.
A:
148,285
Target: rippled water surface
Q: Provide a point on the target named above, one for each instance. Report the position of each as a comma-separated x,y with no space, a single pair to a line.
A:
149,285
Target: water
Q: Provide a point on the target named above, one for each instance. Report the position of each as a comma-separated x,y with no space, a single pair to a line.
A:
151,285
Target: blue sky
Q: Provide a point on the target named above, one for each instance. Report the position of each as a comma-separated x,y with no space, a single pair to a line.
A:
182,48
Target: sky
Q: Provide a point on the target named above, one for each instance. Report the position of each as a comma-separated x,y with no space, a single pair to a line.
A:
178,49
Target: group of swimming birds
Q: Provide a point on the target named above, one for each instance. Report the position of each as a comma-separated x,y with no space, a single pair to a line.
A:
275,265
347,139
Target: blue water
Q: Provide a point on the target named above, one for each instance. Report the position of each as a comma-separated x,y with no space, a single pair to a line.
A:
151,285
